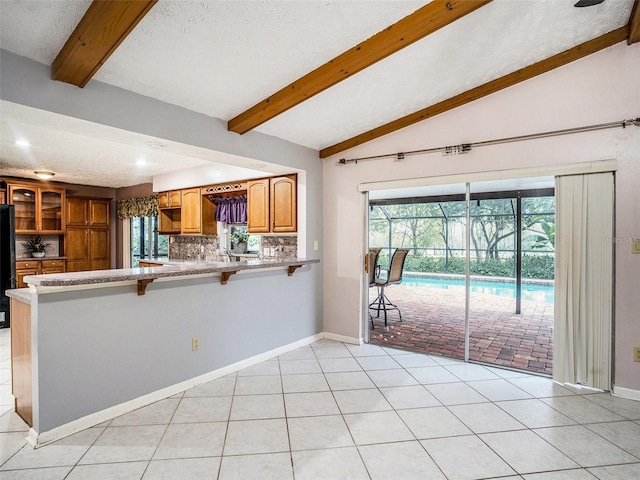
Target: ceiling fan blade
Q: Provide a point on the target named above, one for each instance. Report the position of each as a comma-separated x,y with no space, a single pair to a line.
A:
588,3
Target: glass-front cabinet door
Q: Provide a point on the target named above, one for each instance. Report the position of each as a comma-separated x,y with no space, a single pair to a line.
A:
51,208
38,209
24,199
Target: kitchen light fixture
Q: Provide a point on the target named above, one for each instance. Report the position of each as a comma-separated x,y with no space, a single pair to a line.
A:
44,174
155,145
22,143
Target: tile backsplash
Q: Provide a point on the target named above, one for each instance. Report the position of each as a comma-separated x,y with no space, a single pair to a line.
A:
279,246
207,247
193,247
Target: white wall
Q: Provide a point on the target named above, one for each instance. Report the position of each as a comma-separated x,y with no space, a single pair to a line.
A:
598,89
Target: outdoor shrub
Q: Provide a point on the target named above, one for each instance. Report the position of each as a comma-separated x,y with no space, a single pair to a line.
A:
493,267
538,266
533,266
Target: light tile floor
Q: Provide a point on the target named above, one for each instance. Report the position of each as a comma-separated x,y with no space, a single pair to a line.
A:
334,411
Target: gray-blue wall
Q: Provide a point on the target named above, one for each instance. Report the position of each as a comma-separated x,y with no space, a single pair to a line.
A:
103,347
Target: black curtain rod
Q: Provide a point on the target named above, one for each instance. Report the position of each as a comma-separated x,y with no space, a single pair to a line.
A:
466,147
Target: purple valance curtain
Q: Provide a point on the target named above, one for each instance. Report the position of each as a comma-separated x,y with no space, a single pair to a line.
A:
231,209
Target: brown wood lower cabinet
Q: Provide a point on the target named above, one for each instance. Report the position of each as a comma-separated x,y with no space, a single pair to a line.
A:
36,267
87,249
144,264
32,267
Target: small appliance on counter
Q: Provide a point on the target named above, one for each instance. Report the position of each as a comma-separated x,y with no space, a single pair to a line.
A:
7,260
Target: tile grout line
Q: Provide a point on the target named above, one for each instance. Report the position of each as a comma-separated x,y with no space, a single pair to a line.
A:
355,445
286,421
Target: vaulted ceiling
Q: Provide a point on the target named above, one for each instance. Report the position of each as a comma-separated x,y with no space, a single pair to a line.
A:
324,74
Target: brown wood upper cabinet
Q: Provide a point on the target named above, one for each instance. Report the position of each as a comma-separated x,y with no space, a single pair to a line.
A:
272,205
38,209
171,199
91,212
194,214
197,213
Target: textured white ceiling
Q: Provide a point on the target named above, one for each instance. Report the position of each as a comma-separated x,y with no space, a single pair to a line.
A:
495,40
86,153
221,57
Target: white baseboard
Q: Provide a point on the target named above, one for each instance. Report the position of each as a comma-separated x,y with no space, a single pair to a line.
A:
342,338
36,439
626,393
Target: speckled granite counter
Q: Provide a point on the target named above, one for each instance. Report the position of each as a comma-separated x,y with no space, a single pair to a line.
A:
174,268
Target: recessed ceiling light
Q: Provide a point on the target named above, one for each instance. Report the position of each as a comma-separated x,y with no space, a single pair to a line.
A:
155,145
44,174
141,162
22,143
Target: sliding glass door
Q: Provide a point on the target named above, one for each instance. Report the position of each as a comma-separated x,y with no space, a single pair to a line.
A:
511,276
478,282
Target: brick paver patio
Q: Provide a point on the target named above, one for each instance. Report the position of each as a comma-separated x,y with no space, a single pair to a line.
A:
433,322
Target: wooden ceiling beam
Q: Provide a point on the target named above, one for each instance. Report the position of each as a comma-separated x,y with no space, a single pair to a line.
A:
102,29
488,88
406,31
634,24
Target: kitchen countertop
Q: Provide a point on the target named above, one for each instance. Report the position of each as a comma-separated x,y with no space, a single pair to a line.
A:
195,261
174,268
21,294
46,257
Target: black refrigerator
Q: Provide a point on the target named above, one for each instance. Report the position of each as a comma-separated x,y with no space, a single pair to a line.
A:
7,260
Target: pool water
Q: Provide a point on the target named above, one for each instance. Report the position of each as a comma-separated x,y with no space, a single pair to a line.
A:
530,292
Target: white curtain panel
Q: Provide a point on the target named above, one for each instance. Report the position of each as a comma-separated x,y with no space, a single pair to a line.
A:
584,280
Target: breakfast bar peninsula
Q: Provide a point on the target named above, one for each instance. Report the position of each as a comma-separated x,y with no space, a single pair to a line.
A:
89,346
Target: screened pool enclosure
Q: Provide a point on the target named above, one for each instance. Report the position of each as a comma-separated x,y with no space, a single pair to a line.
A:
511,267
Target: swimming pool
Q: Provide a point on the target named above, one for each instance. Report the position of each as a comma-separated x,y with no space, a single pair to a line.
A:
530,292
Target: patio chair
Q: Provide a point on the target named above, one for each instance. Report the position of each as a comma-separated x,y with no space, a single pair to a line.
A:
374,268
394,277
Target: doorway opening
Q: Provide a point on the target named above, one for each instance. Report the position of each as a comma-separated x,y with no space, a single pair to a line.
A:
508,254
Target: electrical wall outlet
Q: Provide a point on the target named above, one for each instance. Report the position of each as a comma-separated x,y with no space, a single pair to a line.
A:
636,354
635,246
195,344
315,245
